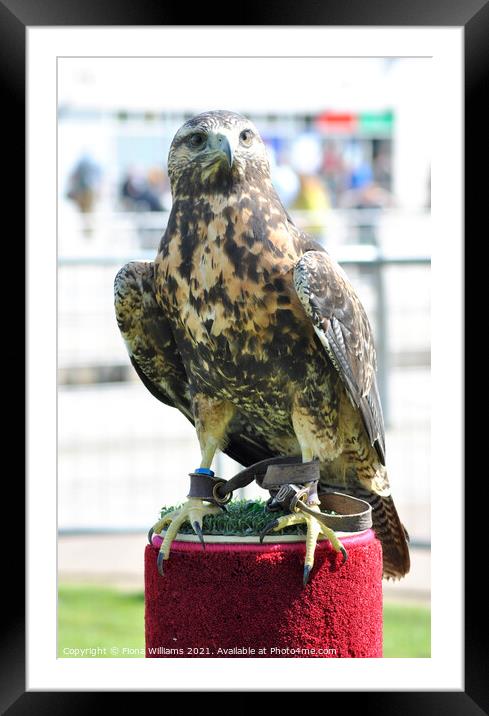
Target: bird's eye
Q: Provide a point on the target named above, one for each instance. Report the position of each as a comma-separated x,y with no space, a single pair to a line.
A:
197,140
246,137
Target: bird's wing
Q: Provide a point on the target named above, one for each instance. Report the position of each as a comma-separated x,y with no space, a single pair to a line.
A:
155,356
148,336
343,328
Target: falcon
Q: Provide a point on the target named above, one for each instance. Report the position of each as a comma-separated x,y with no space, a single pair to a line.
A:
251,330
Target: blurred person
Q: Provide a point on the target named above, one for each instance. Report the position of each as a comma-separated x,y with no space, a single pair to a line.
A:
140,192
312,195
158,187
333,169
145,192
131,187
365,193
312,199
84,187
382,165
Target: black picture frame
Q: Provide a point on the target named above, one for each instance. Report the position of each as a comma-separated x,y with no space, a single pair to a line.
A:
473,15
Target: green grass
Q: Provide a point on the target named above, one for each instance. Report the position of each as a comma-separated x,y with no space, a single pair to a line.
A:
91,617
407,631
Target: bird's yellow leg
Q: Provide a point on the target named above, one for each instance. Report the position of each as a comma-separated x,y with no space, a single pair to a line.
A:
211,420
315,530
193,511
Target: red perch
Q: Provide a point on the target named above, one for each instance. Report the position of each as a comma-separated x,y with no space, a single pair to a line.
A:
247,600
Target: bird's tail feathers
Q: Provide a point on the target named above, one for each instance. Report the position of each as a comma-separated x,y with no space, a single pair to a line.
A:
392,535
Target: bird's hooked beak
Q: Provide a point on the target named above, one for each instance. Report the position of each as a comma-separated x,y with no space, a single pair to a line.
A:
223,144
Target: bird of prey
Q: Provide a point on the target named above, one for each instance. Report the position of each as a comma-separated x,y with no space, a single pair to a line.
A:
253,332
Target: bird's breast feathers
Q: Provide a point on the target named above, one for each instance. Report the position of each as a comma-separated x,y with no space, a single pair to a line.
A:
218,264
224,276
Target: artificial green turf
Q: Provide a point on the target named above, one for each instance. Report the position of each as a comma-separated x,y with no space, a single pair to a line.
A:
100,619
242,517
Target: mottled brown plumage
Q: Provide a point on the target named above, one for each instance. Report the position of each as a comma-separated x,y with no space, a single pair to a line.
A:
251,329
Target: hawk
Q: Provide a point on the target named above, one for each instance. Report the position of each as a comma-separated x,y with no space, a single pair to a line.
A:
254,332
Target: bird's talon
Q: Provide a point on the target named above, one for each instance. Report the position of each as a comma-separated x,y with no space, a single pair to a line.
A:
307,571
160,564
344,553
150,535
193,511
198,532
268,528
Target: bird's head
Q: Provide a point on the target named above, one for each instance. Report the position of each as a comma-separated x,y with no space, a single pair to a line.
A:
214,151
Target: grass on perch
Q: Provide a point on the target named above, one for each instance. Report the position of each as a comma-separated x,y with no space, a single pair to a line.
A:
244,518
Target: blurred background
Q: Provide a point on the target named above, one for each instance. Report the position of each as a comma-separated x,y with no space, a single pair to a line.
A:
351,163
